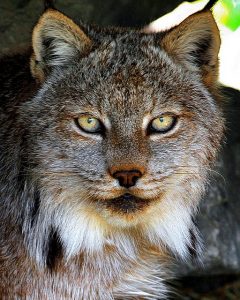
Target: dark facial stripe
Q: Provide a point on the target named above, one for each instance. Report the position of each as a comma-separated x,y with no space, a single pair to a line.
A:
192,248
54,250
194,242
35,209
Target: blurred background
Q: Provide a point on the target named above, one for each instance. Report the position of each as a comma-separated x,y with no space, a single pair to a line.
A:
218,277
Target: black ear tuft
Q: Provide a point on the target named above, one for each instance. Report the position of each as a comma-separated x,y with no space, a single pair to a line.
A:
210,4
49,4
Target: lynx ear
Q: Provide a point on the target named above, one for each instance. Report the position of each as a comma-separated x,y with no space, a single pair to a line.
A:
195,43
56,41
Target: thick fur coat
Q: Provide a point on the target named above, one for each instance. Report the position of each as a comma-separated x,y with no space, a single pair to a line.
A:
70,228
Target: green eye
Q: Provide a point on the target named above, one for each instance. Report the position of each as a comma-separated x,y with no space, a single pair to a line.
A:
163,123
89,124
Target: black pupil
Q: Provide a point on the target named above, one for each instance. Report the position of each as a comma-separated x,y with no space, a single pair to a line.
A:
161,119
90,120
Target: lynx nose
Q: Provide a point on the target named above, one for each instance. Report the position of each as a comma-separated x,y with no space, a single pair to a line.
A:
127,178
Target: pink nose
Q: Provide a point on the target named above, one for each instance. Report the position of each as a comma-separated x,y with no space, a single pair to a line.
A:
127,178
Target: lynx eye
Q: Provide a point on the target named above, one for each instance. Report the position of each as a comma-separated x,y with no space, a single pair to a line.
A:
163,123
89,124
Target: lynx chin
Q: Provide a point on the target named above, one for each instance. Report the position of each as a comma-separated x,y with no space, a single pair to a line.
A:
107,138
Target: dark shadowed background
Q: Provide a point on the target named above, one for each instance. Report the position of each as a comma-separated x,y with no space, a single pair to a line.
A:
19,16
219,217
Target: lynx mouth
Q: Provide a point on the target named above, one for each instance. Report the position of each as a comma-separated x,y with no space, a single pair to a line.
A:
127,204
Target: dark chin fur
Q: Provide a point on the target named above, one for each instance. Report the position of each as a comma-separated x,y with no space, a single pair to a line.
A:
126,204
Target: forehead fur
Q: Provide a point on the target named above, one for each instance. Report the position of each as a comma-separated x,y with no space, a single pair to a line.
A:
58,41
133,75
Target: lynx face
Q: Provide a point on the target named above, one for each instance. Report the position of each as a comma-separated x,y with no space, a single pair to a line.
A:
123,131
125,94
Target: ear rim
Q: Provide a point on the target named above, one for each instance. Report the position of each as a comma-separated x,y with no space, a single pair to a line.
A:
79,41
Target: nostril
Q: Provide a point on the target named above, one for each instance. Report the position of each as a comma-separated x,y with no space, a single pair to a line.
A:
127,178
134,179
121,179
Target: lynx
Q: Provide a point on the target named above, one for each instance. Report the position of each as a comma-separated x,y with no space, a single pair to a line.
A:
107,138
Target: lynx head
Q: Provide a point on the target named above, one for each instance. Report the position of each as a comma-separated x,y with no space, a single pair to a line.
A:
122,132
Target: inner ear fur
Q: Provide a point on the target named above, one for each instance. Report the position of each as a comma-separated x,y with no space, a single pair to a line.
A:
195,43
56,41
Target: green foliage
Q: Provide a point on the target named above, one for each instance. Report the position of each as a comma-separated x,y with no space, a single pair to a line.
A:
227,12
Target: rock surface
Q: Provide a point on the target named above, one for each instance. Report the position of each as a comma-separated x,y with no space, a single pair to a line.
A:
219,217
